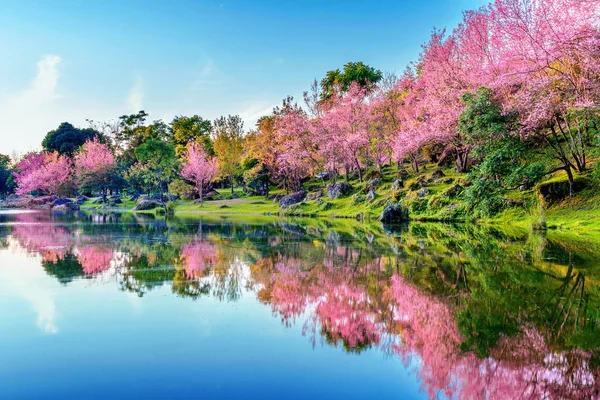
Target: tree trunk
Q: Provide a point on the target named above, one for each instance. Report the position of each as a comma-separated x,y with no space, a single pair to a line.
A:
231,184
201,194
571,180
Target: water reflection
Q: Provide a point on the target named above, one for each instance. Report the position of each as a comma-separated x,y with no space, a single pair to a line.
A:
478,312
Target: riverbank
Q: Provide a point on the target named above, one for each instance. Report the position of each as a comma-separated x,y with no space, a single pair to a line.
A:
433,194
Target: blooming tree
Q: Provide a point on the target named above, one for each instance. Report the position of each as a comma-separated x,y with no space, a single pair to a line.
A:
95,167
198,167
46,172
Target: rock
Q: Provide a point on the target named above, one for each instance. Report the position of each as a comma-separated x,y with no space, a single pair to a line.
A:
437,174
99,200
234,195
403,173
134,197
371,196
147,204
398,184
454,190
423,192
61,201
316,195
38,201
448,181
373,184
292,199
70,206
79,200
275,197
394,213
357,198
223,206
338,189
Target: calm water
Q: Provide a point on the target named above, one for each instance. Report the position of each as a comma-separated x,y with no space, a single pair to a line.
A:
117,306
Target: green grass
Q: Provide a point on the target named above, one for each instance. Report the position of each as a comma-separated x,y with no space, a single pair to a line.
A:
575,218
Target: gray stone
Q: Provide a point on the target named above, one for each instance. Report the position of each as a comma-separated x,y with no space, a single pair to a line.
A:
397,185
373,184
70,206
371,196
454,190
315,195
423,192
292,199
437,174
338,189
144,204
394,213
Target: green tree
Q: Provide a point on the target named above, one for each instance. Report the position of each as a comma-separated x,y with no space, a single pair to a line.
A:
157,163
365,76
229,146
187,129
6,181
66,139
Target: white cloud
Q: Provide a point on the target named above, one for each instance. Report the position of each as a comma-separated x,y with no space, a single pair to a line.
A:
28,111
252,113
208,76
135,99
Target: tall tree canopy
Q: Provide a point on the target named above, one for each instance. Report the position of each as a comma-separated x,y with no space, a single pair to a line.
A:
229,145
187,129
364,76
66,139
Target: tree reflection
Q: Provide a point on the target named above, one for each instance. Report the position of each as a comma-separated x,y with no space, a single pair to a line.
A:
476,311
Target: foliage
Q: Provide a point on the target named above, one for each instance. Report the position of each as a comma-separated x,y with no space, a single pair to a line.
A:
198,167
229,146
187,129
359,73
67,139
46,172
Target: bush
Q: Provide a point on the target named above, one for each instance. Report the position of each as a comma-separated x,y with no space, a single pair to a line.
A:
483,198
171,206
180,188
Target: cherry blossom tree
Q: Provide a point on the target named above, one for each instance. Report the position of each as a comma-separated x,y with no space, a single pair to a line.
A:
46,172
198,167
95,167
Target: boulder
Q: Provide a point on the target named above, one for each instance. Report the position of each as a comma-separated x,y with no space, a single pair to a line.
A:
275,197
397,185
394,213
292,199
143,204
38,201
234,195
403,173
373,184
315,195
454,190
357,198
134,197
437,174
371,195
338,189
61,201
448,180
69,206
79,200
423,192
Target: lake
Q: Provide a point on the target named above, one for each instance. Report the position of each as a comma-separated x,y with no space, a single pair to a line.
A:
127,306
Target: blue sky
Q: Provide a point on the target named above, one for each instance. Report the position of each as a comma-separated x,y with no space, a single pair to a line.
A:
72,60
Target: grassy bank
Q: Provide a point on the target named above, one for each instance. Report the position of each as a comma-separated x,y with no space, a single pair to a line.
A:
429,197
